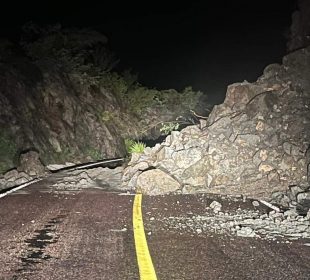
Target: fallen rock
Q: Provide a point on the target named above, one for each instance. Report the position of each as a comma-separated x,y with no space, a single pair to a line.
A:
54,167
255,203
242,222
99,178
14,178
216,206
31,164
30,167
155,182
254,144
246,232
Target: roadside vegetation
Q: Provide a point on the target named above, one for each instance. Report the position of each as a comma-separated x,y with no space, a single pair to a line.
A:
84,55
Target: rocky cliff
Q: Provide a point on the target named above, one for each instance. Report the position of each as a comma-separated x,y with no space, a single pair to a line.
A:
59,97
299,36
42,110
255,144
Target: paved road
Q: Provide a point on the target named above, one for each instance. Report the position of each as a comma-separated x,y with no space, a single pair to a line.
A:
88,235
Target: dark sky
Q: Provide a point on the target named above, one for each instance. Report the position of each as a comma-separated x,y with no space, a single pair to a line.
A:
205,44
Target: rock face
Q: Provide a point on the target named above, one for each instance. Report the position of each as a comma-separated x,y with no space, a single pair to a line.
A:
41,110
300,29
255,143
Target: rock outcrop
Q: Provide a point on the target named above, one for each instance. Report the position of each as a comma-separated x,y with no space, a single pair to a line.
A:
41,109
299,36
255,143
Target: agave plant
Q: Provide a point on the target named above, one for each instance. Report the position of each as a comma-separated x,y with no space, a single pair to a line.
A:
134,146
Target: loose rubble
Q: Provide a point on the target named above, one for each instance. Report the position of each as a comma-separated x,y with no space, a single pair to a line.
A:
14,178
30,167
71,180
100,178
287,225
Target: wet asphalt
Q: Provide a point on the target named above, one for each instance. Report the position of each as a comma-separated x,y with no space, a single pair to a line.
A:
88,235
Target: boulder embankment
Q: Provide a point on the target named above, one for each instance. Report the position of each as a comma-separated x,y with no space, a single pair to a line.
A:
257,143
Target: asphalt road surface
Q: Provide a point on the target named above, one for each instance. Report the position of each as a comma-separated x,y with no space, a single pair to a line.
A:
89,235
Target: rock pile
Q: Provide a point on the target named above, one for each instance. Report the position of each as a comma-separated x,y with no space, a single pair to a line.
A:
256,143
71,180
102,178
29,168
13,178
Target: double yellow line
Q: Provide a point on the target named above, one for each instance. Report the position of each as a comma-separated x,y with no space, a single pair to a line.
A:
145,264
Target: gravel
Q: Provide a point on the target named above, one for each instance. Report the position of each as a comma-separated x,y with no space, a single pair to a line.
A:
288,225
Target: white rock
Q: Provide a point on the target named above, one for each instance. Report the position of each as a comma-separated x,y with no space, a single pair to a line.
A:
255,203
216,206
156,182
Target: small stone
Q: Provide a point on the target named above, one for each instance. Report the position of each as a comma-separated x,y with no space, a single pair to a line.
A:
246,232
272,213
255,203
11,175
303,196
290,213
216,206
231,224
295,190
308,215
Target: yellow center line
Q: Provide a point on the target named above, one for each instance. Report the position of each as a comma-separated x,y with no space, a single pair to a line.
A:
145,264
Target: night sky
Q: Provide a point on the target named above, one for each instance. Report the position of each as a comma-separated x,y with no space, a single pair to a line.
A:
204,44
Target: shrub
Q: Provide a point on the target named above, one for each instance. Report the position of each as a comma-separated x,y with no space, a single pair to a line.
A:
95,154
8,151
166,128
82,53
107,116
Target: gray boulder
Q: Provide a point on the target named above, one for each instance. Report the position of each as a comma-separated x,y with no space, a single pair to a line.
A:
155,182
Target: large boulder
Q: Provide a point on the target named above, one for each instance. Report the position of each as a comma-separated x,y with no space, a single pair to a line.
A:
154,182
30,163
255,143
